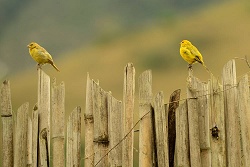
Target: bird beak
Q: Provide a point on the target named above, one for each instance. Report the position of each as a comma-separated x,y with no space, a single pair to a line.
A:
28,46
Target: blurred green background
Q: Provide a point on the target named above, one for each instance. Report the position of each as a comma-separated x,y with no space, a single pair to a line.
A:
101,37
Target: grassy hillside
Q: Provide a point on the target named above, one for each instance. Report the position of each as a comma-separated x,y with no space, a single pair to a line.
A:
219,33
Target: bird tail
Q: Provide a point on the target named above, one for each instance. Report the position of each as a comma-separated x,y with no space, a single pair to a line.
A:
206,68
55,67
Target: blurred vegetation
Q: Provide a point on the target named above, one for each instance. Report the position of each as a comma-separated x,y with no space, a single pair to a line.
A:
102,37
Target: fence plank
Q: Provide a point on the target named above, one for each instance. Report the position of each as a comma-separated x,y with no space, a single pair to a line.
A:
146,130
7,122
29,142
100,113
127,114
69,141
34,136
161,130
57,121
114,112
170,116
231,115
44,112
182,137
244,113
89,124
218,147
193,121
21,131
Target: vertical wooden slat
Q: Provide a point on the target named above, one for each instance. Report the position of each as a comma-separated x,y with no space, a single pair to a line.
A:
89,125
69,141
44,113
34,136
29,143
193,122
182,153
204,130
21,130
76,129
57,121
170,116
7,122
218,150
244,113
100,113
161,130
231,115
127,114
146,130
114,112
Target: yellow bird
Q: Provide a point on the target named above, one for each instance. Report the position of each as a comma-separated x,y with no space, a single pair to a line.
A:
191,54
40,55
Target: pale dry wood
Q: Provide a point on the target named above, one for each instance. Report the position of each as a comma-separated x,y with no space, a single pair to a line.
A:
69,142
43,148
89,125
20,153
114,112
29,143
146,143
161,130
100,113
231,115
44,108
204,129
34,136
218,147
244,113
76,130
57,123
182,153
193,121
7,122
128,114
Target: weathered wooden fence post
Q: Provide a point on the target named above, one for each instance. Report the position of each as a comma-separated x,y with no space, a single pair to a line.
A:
44,117
89,124
73,152
193,121
7,120
34,136
127,114
231,115
218,147
57,121
161,130
146,145
244,115
100,113
21,131
115,126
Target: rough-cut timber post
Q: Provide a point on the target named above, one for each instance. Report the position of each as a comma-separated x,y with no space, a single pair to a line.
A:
244,113
57,121
114,112
7,120
146,129
74,138
182,137
20,152
44,114
193,121
89,124
161,131
29,143
34,136
170,116
218,147
127,114
231,115
100,113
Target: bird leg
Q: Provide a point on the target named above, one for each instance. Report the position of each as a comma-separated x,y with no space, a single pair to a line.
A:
39,66
190,66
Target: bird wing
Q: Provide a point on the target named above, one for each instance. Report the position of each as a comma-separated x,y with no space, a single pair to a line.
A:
197,55
42,52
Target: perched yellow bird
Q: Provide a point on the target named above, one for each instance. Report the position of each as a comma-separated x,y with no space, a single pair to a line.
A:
40,55
191,54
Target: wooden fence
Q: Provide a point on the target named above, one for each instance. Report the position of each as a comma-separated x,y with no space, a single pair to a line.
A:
210,127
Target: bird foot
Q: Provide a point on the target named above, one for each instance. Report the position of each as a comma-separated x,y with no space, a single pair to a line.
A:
39,66
190,66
